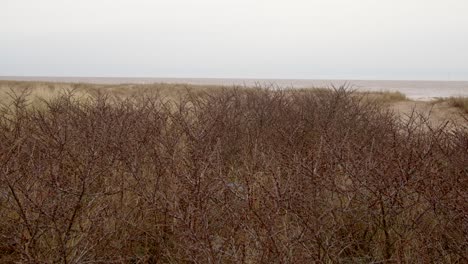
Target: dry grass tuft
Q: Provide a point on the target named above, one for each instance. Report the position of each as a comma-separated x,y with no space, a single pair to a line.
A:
457,102
387,97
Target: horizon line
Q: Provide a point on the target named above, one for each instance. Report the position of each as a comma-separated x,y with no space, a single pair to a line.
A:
5,77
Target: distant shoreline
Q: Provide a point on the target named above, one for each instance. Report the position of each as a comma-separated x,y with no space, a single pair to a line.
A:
116,80
413,89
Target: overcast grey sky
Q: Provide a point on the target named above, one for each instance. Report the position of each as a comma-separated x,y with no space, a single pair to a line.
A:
339,39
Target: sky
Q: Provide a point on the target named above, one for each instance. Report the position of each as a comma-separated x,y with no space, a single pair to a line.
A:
280,39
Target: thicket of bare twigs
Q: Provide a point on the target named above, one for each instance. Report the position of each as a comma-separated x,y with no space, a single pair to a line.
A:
233,176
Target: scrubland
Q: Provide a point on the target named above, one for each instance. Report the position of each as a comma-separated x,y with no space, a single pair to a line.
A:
177,174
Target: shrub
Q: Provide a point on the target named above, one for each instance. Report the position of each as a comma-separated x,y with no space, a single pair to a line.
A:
232,176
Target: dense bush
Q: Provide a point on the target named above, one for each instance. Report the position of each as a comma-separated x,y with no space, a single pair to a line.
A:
231,176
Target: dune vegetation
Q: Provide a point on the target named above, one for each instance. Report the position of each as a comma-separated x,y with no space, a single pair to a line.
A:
178,174
458,102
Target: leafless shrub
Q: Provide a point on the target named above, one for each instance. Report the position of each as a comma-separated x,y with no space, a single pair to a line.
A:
232,176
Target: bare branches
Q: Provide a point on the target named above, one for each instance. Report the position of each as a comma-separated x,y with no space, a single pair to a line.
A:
229,176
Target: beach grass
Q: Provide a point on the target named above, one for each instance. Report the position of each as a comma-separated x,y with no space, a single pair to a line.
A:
457,102
387,96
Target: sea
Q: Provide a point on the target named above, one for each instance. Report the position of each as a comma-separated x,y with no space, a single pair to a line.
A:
416,90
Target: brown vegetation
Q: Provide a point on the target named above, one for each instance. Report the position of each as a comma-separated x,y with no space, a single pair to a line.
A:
387,97
232,176
458,102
